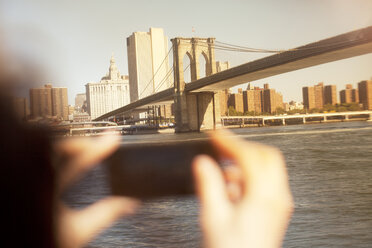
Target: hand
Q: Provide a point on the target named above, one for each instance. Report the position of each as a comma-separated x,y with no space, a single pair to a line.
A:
75,228
250,208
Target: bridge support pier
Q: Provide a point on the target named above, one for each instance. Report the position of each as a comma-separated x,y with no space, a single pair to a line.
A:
194,111
283,122
197,111
304,120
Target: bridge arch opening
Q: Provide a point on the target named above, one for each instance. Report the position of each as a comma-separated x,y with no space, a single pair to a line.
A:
186,68
202,65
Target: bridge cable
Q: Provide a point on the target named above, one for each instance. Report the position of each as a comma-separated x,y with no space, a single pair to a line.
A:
233,49
230,47
152,79
165,79
167,76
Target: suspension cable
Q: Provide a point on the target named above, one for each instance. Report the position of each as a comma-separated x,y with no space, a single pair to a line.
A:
164,79
152,79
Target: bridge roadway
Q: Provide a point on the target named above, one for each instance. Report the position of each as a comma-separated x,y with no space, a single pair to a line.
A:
339,47
261,119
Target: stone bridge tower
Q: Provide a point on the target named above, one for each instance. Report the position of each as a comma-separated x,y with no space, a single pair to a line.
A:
194,111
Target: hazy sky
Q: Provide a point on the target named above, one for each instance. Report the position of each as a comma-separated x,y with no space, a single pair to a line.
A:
73,40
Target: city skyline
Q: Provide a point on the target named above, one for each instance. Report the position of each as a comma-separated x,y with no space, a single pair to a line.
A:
74,50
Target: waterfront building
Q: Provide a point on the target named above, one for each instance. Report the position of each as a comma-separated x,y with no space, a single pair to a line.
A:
41,101
71,110
80,99
295,105
236,101
223,95
269,101
308,96
148,63
253,99
224,98
365,94
279,101
349,95
221,66
111,93
330,94
286,106
60,102
256,100
81,117
354,95
319,95
272,100
49,102
248,101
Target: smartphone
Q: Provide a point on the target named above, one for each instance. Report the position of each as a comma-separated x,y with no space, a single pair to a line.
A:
150,170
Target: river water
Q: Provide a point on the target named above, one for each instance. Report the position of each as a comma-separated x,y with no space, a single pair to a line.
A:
330,173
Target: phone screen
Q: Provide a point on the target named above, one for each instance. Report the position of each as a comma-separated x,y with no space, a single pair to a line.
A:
156,169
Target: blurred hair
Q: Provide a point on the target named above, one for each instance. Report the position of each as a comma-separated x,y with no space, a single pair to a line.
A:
27,176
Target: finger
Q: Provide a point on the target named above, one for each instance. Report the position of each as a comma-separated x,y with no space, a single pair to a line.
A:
77,228
234,182
228,144
210,186
232,173
262,166
82,154
236,149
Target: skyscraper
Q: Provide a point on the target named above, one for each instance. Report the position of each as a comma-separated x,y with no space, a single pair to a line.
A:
330,94
148,63
80,99
319,95
354,95
111,93
365,94
41,101
60,102
253,98
272,100
308,96
221,66
224,98
236,101
49,102
349,95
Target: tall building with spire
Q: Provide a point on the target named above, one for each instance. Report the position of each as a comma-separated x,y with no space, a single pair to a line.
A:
110,93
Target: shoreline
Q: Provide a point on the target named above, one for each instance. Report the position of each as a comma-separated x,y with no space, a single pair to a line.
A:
236,126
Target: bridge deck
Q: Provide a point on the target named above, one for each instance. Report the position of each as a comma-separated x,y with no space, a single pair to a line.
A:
343,46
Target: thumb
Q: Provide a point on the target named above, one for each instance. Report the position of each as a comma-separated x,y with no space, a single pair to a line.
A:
77,228
210,186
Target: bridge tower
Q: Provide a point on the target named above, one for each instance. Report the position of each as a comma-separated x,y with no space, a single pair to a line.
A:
194,111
